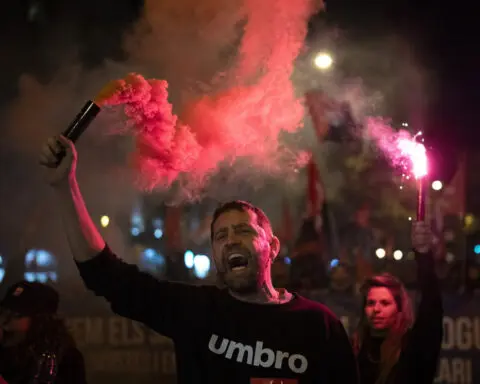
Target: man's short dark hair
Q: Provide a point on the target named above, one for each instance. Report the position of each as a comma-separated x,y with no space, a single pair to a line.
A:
242,206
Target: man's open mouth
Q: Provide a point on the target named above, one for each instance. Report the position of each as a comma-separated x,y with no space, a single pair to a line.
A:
237,261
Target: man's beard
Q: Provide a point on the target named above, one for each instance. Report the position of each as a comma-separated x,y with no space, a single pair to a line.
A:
244,286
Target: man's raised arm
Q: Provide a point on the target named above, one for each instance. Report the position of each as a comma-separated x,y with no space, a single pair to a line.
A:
59,162
163,306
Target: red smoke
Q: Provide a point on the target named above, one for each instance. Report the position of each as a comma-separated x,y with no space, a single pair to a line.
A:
164,148
244,120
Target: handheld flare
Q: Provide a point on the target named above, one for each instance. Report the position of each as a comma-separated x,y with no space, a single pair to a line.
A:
421,196
420,171
82,121
417,155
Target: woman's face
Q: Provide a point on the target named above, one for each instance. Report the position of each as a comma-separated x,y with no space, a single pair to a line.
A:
380,309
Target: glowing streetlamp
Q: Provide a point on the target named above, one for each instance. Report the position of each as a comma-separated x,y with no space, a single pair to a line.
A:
323,61
437,185
104,221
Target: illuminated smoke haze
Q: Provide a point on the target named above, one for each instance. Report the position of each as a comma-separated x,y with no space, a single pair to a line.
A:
215,68
221,79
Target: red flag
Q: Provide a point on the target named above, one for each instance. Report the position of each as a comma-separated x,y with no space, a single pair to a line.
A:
318,106
173,229
315,191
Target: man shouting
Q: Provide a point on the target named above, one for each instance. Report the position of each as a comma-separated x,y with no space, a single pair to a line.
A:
247,332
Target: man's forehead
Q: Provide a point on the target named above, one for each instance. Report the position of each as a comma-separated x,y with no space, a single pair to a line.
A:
234,217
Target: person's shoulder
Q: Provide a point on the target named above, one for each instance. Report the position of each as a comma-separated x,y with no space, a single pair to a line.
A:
321,319
315,308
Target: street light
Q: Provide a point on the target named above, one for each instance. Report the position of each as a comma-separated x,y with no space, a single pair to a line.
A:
380,253
104,221
323,61
437,185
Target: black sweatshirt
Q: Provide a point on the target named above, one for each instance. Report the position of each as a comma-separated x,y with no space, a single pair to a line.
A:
418,359
219,339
